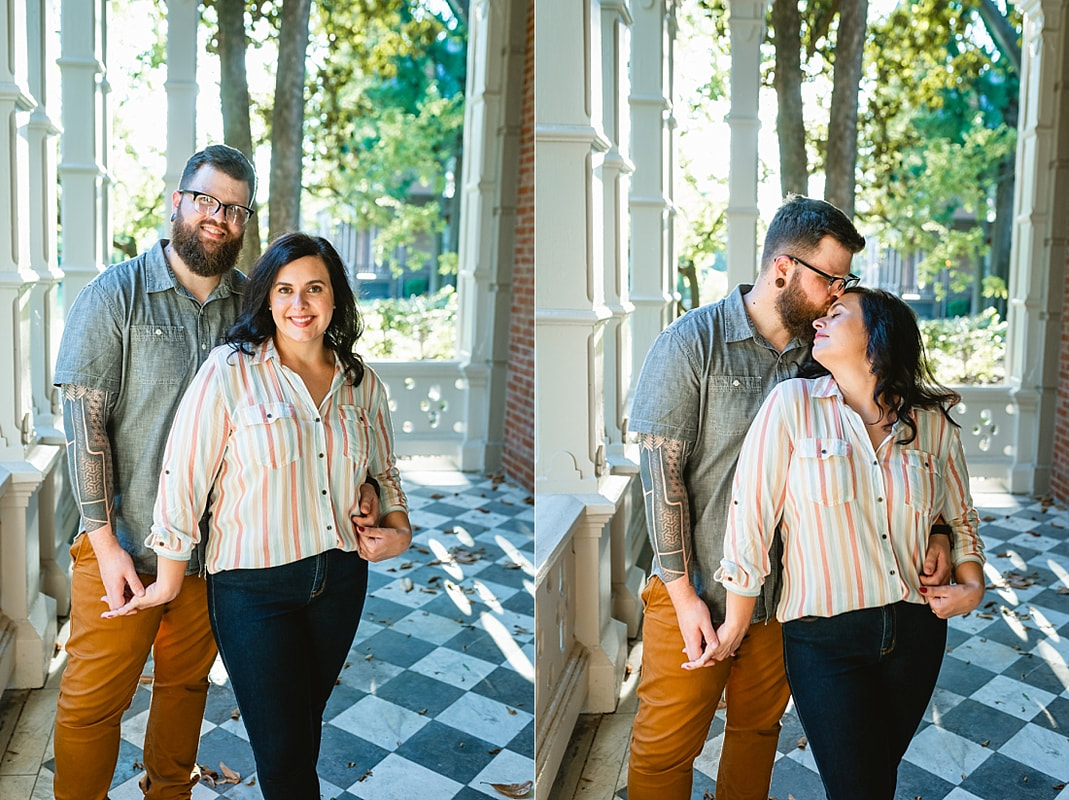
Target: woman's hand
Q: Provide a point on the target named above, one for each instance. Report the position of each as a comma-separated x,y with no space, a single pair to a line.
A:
730,637
168,583
392,539
958,598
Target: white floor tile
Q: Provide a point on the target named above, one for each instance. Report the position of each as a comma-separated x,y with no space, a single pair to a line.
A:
994,656
1012,697
1041,748
507,768
396,778
945,754
428,627
453,667
380,722
488,719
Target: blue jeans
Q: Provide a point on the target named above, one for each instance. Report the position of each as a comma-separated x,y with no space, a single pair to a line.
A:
283,633
861,682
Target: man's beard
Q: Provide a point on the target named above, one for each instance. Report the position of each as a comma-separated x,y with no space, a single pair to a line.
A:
206,264
797,313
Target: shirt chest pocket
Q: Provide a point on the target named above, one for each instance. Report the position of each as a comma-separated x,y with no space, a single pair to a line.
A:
355,434
825,470
921,471
269,434
159,354
733,403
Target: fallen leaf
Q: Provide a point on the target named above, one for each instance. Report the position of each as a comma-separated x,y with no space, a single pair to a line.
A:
407,585
364,777
802,742
229,776
515,790
437,496
235,713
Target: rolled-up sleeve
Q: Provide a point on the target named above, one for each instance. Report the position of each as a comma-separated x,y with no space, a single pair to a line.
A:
194,452
757,499
958,509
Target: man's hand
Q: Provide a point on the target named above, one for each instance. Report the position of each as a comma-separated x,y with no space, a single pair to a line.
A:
117,571
369,507
168,583
936,569
692,614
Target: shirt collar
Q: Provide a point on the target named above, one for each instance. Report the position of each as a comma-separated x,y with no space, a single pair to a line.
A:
737,324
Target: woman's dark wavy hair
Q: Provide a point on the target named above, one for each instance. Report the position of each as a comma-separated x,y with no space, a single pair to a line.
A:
255,325
904,379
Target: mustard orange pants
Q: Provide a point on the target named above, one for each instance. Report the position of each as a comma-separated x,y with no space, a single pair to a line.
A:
676,708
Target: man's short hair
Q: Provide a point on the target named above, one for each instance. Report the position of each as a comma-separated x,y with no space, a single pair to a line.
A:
228,160
801,222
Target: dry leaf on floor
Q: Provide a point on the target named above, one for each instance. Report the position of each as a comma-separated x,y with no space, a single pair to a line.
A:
515,790
802,742
407,585
229,776
235,713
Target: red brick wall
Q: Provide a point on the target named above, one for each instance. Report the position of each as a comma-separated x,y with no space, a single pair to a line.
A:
1059,479
517,459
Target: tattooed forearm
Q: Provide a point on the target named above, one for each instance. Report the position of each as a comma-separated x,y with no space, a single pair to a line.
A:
85,415
661,463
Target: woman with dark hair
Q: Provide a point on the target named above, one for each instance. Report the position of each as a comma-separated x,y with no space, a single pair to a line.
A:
852,468
275,437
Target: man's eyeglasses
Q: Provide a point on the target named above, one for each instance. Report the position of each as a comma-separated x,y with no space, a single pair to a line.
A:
207,205
835,283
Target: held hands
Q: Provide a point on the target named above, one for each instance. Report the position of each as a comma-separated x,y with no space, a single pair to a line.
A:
692,614
369,507
950,601
117,571
936,568
169,577
381,543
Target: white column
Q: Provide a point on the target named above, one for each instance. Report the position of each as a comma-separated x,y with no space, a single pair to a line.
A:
46,314
747,24
652,275
492,127
16,275
80,172
1038,255
181,86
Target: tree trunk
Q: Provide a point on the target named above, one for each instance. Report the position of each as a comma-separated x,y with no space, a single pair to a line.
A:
234,100
840,160
790,125
287,120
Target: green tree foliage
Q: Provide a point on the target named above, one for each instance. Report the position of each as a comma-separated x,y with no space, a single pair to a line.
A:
385,120
967,350
939,132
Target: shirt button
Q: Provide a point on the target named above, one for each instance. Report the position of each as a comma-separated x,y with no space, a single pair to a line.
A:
331,527
318,419
879,499
158,332
320,455
892,572
874,463
204,347
324,491
885,536
735,383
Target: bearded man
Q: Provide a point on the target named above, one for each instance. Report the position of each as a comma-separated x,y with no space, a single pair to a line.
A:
133,340
700,388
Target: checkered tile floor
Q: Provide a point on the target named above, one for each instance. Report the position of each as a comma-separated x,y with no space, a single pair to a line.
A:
437,698
998,725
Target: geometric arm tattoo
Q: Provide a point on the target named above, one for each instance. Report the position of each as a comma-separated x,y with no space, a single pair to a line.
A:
85,416
661,463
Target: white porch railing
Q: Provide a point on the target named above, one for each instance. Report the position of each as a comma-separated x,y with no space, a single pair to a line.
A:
426,405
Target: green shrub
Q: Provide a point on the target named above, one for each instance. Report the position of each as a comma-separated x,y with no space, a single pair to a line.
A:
967,350
410,329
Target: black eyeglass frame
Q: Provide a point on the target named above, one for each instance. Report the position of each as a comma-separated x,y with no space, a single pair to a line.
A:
220,204
848,281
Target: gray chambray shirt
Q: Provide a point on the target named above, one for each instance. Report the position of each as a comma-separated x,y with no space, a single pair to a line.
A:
703,381
135,331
